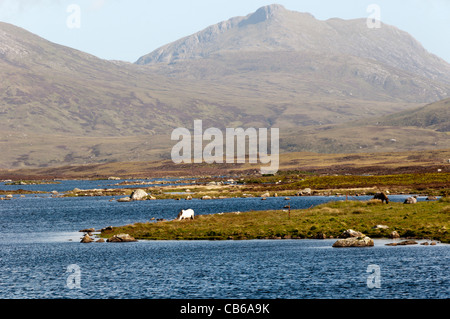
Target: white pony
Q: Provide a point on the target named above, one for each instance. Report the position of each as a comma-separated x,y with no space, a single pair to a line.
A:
186,214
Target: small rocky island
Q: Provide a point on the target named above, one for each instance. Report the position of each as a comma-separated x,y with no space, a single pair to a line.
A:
351,238
89,236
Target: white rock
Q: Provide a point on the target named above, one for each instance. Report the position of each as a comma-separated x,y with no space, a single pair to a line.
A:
139,194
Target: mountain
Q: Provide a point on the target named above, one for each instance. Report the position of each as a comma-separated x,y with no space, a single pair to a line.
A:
272,68
313,72
275,29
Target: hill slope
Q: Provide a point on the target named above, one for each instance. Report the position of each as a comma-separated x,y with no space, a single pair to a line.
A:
60,106
423,128
434,116
51,89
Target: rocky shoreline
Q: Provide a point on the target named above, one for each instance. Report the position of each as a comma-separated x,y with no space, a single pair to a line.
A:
348,239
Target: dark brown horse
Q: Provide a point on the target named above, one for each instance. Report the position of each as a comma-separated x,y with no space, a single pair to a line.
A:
383,197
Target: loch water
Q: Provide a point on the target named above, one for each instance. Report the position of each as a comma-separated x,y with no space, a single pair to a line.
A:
41,256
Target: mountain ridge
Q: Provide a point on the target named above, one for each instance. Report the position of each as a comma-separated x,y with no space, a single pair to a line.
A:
284,30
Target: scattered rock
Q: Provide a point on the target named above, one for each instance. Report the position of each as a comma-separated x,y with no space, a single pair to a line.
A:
86,239
425,244
139,194
101,240
266,194
320,236
410,200
403,243
407,243
431,198
354,242
109,228
380,227
394,235
206,197
433,243
351,233
121,238
305,192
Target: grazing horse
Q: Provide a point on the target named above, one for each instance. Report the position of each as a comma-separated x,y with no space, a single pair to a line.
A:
383,197
186,214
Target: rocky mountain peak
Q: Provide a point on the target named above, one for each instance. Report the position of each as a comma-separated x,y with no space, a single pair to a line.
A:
264,14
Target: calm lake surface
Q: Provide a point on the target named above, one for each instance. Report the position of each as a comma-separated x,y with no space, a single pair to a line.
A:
39,246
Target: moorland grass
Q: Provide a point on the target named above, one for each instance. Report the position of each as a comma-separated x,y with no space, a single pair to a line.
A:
422,220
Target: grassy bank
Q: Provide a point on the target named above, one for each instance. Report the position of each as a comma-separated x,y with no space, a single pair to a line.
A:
288,184
426,183
423,220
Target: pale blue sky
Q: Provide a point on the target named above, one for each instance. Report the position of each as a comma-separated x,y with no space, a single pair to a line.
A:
126,30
